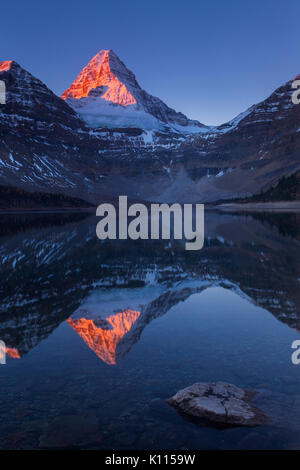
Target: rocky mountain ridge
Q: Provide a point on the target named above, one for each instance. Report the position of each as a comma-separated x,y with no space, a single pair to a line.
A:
46,146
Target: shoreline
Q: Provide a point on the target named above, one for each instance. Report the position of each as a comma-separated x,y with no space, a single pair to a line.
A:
47,211
282,206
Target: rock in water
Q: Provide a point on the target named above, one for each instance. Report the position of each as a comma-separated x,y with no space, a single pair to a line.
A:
218,404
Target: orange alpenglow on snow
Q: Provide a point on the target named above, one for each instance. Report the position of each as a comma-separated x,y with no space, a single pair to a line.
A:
5,65
13,353
96,74
104,342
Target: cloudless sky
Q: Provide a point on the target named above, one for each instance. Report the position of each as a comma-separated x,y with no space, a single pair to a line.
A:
209,59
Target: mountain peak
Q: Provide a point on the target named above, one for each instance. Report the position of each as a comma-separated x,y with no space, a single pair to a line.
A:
104,341
101,75
107,94
6,65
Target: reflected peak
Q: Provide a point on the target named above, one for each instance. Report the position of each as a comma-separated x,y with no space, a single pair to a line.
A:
104,341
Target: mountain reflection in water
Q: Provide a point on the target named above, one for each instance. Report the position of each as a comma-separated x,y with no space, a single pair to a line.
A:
48,273
72,306
102,340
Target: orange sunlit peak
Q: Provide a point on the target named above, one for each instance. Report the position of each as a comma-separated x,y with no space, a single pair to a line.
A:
97,74
104,341
13,353
5,65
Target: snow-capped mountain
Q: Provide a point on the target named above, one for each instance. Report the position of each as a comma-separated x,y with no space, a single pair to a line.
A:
251,152
47,146
40,135
107,94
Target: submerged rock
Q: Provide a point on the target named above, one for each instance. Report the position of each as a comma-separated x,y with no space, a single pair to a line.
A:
218,404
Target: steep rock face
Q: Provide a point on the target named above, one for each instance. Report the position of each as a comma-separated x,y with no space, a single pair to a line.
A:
104,70
107,94
41,137
28,96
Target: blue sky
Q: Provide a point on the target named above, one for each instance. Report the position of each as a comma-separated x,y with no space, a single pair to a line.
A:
208,59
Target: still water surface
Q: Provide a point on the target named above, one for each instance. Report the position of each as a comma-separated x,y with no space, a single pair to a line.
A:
100,334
